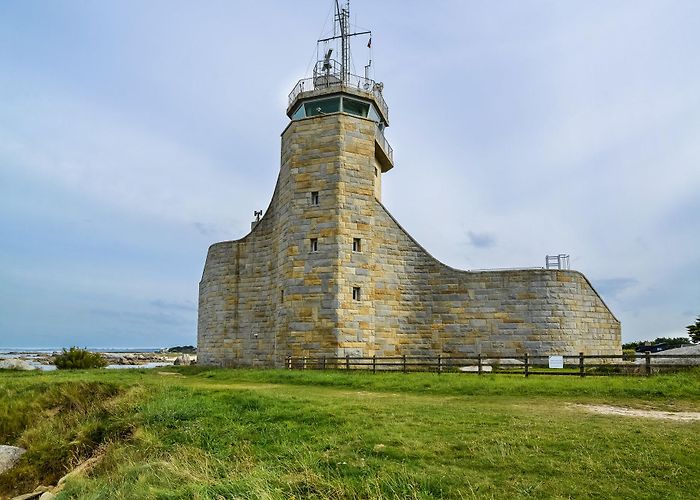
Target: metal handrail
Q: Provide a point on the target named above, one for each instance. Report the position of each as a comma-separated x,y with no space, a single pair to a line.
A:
385,145
497,269
355,82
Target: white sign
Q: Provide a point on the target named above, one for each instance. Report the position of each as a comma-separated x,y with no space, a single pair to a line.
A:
556,361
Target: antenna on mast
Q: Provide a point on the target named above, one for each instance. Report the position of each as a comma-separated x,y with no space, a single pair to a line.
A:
333,72
342,25
327,61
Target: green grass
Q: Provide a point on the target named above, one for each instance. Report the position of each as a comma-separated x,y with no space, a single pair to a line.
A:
280,434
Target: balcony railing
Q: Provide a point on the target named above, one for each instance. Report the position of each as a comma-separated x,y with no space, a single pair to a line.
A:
388,150
331,80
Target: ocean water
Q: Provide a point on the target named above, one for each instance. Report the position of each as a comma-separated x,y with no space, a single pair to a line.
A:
31,353
51,350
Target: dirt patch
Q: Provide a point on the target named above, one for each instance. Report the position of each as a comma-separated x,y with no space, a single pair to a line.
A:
685,416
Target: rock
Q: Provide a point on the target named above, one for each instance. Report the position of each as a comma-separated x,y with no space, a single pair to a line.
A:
29,496
484,368
47,496
80,470
9,455
16,364
506,362
183,360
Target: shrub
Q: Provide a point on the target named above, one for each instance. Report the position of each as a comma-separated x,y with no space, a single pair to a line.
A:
76,359
629,354
184,349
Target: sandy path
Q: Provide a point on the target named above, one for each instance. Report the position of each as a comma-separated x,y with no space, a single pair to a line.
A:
687,416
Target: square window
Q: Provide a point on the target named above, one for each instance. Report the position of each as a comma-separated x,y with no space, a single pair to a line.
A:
314,198
356,245
314,244
356,293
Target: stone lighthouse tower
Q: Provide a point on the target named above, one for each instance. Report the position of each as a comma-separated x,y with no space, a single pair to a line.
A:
333,156
300,283
329,272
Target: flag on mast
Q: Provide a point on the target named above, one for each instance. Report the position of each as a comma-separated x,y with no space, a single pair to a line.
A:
369,44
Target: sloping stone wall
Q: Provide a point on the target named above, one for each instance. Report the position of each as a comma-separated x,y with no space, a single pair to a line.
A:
268,295
445,310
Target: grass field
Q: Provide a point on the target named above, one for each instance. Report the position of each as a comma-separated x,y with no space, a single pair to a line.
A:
278,434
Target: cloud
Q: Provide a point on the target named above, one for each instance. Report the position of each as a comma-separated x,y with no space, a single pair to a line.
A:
573,129
481,240
206,229
175,306
612,287
130,318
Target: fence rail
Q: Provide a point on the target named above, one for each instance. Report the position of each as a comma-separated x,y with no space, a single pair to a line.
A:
574,365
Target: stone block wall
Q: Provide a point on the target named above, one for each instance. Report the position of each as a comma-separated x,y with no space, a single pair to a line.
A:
268,295
445,310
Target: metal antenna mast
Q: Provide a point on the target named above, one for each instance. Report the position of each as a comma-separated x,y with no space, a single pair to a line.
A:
342,17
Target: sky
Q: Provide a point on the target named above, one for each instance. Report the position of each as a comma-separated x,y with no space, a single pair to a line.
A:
135,134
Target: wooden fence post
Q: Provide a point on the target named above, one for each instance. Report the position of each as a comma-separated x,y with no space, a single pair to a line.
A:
303,363
527,365
289,362
581,370
478,360
347,362
439,364
404,363
323,363
647,356
374,364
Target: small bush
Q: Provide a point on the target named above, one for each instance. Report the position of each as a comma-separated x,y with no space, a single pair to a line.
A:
629,354
184,349
77,359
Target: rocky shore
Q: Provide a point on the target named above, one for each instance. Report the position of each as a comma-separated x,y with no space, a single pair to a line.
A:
138,358
27,360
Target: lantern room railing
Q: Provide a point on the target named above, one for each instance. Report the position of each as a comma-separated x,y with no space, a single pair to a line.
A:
332,79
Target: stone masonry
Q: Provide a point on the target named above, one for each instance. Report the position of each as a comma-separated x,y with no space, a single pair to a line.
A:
271,294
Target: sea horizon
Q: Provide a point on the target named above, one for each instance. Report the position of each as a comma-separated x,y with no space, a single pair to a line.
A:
49,350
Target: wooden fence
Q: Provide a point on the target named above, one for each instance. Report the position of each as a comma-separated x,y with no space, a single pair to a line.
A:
575,365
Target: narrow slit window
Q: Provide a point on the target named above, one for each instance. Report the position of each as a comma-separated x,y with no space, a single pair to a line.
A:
356,245
376,172
314,244
281,295
356,294
314,198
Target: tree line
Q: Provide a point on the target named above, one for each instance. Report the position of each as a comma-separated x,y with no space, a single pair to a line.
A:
671,342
